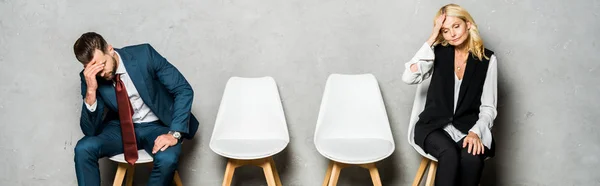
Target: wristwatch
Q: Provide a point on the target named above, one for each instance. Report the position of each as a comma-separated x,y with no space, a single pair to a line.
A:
175,134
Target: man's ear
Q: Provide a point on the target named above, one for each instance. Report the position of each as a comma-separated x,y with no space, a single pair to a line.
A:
110,49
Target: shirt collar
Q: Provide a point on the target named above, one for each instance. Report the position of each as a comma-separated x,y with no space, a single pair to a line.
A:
121,66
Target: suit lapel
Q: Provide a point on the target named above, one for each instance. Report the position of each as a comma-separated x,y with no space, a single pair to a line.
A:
107,90
136,74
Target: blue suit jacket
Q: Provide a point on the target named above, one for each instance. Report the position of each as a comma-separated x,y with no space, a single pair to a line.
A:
160,85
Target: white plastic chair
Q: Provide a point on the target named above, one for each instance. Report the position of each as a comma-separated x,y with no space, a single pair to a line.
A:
124,167
353,126
250,127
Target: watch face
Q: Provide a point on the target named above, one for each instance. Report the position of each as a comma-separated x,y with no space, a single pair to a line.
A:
177,135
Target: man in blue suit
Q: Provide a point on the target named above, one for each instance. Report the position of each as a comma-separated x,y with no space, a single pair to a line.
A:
133,98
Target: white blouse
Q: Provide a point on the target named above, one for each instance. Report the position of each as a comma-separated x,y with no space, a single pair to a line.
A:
487,111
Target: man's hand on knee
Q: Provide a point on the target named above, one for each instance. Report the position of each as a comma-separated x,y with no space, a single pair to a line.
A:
163,142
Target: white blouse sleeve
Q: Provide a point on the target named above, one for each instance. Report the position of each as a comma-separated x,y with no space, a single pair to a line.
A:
489,99
424,61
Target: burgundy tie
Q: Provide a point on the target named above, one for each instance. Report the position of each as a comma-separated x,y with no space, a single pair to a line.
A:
125,113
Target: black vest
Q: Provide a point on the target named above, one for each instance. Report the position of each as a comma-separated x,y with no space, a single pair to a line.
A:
439,108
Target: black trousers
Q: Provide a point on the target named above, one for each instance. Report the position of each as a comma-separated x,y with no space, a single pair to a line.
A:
455,165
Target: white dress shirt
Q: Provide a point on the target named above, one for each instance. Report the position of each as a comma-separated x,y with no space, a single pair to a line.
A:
141,111
487,111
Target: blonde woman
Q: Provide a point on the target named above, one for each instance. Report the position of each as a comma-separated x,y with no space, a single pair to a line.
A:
455,126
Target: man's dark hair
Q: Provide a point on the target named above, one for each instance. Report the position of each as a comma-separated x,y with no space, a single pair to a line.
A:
85,46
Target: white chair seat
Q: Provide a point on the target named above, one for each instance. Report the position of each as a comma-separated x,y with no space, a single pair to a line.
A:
143,157
355,151
246,149
353,126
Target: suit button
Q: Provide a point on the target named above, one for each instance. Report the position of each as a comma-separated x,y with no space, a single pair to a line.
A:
450,119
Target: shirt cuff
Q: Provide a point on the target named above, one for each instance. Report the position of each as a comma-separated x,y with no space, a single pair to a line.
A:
484,133
478,128
92,107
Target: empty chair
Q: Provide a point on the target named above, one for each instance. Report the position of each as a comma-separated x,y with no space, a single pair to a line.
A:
250,127
353,126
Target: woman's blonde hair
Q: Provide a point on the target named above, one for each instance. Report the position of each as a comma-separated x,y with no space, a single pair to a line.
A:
475,43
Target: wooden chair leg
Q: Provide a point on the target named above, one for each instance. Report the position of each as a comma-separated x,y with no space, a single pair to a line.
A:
120,175
420,172
177,179
129,175
229,170
335,173
374,174
275,172
269,175
267,164
431,174
328,173
126,172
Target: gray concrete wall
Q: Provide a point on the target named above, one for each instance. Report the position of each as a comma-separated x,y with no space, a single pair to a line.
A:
546,131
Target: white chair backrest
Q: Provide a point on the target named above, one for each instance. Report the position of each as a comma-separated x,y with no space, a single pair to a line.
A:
352,107
250,109
418,107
